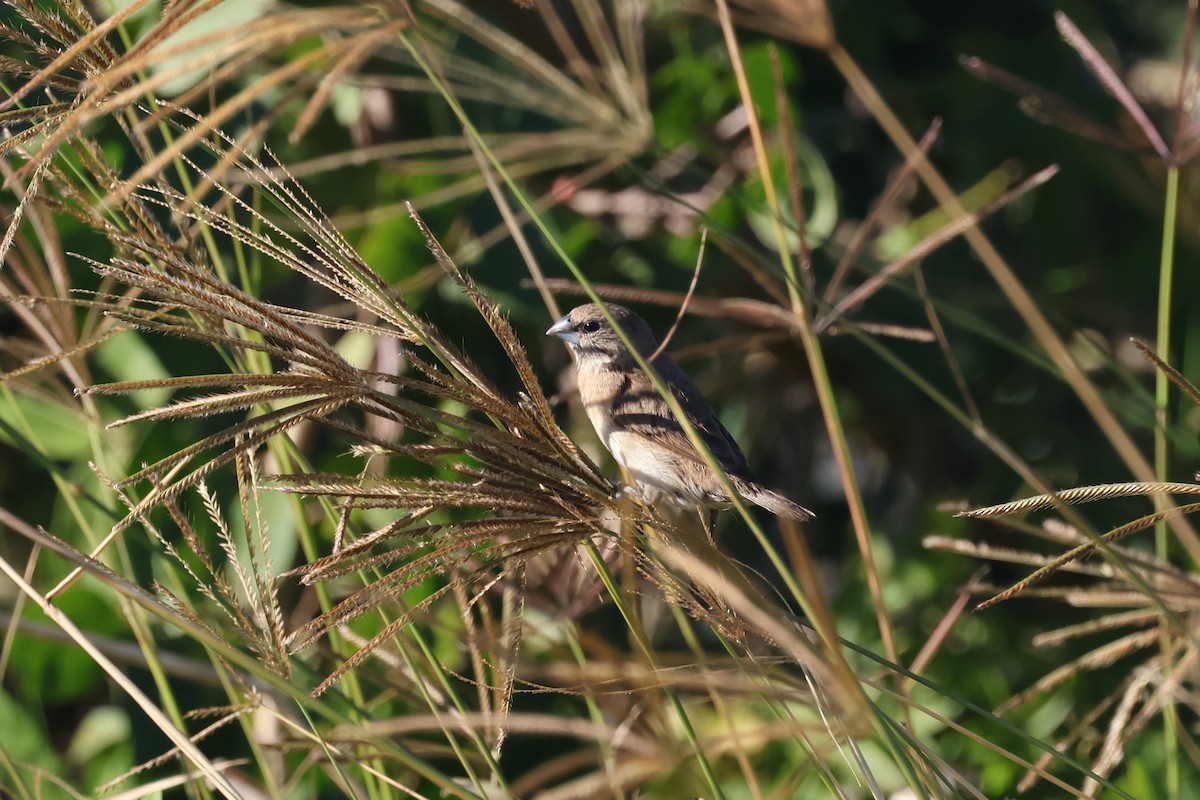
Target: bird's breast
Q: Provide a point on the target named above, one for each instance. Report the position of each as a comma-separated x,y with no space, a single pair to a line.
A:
599,391
646,461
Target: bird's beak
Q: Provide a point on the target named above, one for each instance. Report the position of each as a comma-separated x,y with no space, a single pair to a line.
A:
562,329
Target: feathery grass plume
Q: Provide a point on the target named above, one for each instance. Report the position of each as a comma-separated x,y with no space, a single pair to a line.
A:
592,110
502,458
466,512
1154,604
75,76
71,54
1147,624
480,483
509,457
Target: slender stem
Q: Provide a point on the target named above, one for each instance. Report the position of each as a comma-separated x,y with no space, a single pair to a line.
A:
647,651
556,246
1162,385
1016,293
815,355
1162,445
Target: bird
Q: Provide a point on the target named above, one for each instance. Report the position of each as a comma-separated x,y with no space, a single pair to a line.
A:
637,425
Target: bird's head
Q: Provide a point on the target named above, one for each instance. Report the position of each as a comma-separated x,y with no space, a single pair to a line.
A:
592,339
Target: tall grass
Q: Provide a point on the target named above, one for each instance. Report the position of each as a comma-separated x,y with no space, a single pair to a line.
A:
316,524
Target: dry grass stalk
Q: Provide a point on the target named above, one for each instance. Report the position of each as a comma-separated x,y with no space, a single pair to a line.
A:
1154,604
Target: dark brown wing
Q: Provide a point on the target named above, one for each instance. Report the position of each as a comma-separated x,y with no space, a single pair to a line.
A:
647,413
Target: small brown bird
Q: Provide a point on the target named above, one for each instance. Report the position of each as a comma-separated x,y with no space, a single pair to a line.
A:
636,424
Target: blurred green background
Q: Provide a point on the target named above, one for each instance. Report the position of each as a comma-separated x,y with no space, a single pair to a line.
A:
1086,246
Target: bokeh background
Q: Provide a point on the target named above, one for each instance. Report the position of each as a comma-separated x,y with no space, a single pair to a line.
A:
625,181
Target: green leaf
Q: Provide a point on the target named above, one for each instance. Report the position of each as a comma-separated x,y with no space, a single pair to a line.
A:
49,427
129,357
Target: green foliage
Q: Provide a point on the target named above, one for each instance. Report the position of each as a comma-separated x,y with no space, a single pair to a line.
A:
298,437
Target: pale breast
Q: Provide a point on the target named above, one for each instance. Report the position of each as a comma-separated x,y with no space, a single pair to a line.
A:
648,465
645,463
597,394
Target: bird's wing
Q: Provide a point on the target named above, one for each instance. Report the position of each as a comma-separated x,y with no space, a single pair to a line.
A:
647,413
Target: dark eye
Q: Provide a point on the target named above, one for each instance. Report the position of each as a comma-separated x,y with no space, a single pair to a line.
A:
591,326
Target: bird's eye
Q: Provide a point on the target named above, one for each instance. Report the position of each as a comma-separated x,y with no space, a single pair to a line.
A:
591,326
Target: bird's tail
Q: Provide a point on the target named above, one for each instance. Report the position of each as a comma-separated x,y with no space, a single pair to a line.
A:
771,501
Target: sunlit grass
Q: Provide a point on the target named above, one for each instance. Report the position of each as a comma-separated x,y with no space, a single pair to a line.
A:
357,551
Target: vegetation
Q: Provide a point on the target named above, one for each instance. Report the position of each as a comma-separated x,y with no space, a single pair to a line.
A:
296,500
